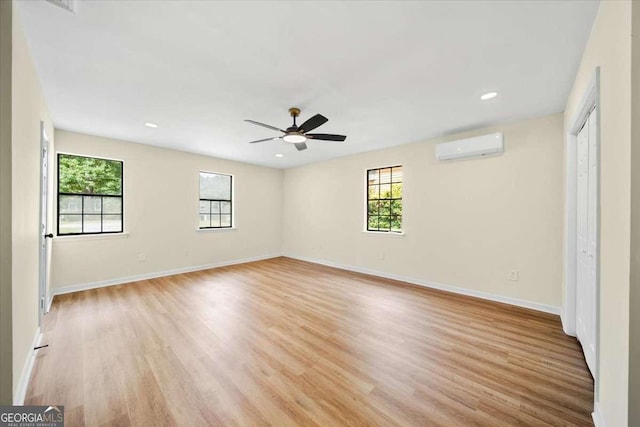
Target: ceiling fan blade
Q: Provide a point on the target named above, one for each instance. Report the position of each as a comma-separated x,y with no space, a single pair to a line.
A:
263,140
300,146
326,137
265,126
312,123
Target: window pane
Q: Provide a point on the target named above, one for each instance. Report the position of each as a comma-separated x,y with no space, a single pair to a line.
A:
215,207
374,177
396,191
215,220
385,191
385,207
374,191
205,206
225,220
92,224
384,223
385,176
373,207
205,220
396,174
112,205
70,224
70,204
396,223
112,223
225,207
372,223
215,186
396,207
88,175
92,205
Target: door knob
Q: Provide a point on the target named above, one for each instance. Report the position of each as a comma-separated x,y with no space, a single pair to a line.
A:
50,235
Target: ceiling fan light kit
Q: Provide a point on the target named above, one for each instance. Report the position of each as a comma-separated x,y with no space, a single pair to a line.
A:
294,137
297,135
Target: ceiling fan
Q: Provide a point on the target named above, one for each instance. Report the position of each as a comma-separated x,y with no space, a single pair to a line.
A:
297,135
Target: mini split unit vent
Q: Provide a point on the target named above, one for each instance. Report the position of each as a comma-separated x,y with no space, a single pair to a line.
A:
69,5
471,147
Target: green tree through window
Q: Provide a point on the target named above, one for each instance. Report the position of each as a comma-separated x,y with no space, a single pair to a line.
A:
88,175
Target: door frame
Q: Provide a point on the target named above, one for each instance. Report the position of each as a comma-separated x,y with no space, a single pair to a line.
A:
590,100
43,259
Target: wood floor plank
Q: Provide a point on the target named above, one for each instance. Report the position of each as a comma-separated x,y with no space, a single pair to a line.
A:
283,342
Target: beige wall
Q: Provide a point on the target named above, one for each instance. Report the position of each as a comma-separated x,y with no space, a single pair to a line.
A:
634,304
28,110
161,190
609,47
467,222
6,364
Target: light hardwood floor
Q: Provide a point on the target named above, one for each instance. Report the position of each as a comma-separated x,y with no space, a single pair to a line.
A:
284,342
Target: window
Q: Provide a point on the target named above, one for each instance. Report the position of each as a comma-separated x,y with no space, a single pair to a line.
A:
89,195
215,200
384,199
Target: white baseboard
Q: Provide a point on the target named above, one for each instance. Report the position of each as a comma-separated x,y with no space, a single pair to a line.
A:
565,324
121,280
443,287
21,391
598,419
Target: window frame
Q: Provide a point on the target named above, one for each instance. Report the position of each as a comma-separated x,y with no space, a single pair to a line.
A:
83,195
231,201
367,200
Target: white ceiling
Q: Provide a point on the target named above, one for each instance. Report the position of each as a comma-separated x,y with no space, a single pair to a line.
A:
384,73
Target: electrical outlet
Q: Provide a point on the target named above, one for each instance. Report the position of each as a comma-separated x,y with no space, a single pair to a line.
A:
186,252
381,257
514,275
142,257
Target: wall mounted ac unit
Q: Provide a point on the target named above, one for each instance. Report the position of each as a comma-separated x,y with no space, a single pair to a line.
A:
471,147
70,5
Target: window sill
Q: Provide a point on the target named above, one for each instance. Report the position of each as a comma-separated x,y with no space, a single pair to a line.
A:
384,233
209,230
84,237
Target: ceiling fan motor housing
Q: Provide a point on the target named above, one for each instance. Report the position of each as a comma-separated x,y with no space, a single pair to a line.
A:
297,135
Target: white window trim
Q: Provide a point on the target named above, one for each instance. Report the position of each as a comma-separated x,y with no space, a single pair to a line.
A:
215,230
77,237
385,233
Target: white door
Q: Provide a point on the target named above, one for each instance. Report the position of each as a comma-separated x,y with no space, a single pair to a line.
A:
44,217
587,239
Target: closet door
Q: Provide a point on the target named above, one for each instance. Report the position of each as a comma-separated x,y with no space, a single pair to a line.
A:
587,239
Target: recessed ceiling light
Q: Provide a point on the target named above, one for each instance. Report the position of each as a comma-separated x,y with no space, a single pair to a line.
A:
279,155
151,125
489,95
